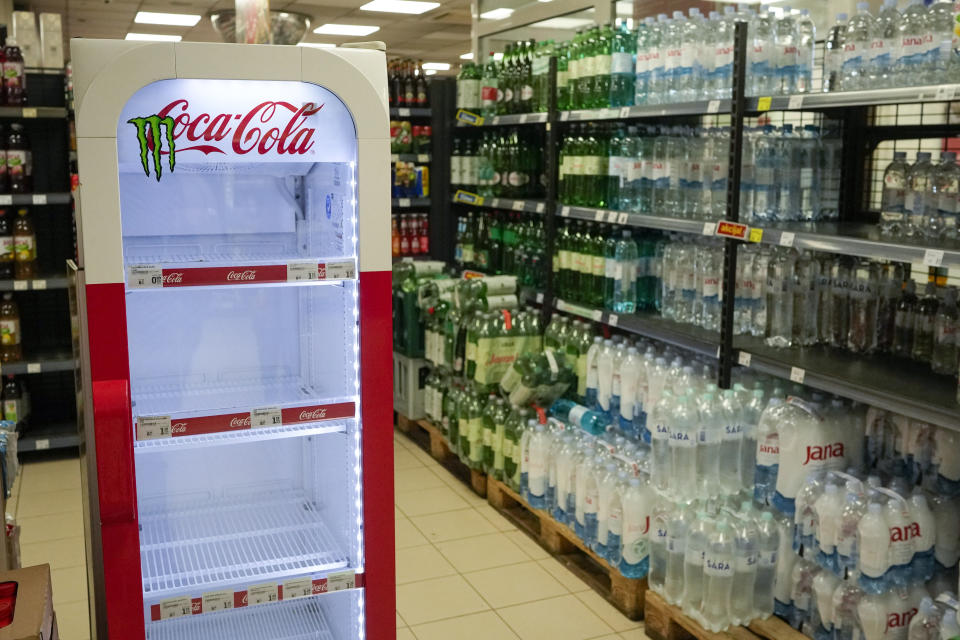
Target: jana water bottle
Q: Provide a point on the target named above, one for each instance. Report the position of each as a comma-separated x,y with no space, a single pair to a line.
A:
883,45
537,448
646,34
787,54
913,33
752,411
657,66
941,22
805,52
856,46
768,545
693,557
828,508
636,516
824,585
718,576
873,544
761,58
923,554
833,55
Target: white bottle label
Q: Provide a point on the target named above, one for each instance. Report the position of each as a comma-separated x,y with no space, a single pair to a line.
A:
718,566
621,62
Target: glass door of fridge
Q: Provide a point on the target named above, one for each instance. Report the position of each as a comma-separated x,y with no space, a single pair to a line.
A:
239,225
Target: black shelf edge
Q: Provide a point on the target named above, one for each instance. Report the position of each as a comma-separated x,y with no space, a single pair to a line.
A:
42,437
408,203
895,384
36,284
840,99
409,112
626,218
699,107
473,200
409,157
40,363
29,113
34,199
507,120
650,325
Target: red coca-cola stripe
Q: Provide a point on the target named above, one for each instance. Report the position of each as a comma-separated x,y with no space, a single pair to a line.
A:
210,424
319,412
199,276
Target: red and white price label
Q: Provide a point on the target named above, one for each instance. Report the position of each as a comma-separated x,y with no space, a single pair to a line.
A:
153,427
176,607
144,276
338,270
217,601
341,580
266,417
298,588
302,271
262,593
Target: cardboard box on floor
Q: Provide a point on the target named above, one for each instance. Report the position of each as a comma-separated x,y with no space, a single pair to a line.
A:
33,617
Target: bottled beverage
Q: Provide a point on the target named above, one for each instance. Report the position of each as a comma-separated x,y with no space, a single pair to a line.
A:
693,564
833,55
923,337
647,49
730,443
659,83
625,274
893,197
12,399
873,544
9,330
919,194
943,356
490,92
787,54
622,50
911,64
684,433
468,88
14,79
676,545
768,545
941,56
745,566
883,45
19,160
761,55
636,502
24,246
718,571
805,52
946,199
856,47
6,246
905,320
537,448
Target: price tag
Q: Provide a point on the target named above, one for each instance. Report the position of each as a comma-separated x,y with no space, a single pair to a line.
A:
6,200
394,157
539,297
302,271
262,594
266,417
153,427
517,205
523,118
756,235
341,580
39,284
340,270
39,198
611,216
144,276
565,211
786,239
623,217
495,203
797,375
624,112
709,228
403,202
743,358
175,607
298,588
763,104
217,601
20,285
403,111
795,102
423,157
713,106
612,319
29,112
42,444
541,207
933,257
596,315
33,367
598,215
611,113
564,115
946,92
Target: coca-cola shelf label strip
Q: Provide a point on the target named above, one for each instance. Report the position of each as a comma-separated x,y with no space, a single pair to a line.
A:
265,593
154,427
151,276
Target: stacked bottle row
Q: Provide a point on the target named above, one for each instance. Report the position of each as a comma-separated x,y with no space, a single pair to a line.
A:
854,304
502,242
921,200
505,166
893,49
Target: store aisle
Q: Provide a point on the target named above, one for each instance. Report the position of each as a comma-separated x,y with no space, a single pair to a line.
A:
465,572
47,504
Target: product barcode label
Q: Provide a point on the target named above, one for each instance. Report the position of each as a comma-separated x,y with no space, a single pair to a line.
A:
403,112
302,271
622,217
786,239
795,102
612,319
39,198
518,205
541,207
298,588
946,92
39,284
262,594
6,199
596,315
266,417
342,580
42,444
565,211
29,112
523,118
495,203
19,285
611,216
217,601
743,359
624,112
423,157
34,367
338,271
539,297
403,202
797,375
175,607
713,106
598,215
564,115
933,257
153,427
144,276
709,228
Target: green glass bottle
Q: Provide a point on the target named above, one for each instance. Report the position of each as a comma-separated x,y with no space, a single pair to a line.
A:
563,77
600,88
489,87
526,77
573,68
468,242
500,413
584,265
495,246
489,428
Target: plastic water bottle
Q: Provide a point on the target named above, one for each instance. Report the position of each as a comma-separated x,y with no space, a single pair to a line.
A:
801,592
761,58
919,194
926,624
893,195
856,47
786,559
872,612
765,168
606,490
833,55
720,85
746,563
752,411
805,52
616,388
657,66
911,65
537,475
593,354
828,509
676,545
684,432
883,44
846,598
941,21
718,571
661,417
946,192
768,451
592,470
922,564
625,275
824,585
693,557
635,561
647,43
730,443
873,546
787,54
854,506
614,543
630,373
605,375
687,81
768,547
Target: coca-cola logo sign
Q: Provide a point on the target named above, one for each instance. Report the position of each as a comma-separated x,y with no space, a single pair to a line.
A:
269,127
314,414
175,277
178,427
249,274
240,423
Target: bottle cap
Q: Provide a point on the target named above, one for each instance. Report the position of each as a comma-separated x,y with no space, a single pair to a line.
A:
863,6
841,17
678,15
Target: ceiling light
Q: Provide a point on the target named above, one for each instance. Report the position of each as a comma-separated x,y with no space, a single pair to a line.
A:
172,19
159,37
467,56
317,45
334,29
496,14
399,6
562,23
430,72
437,66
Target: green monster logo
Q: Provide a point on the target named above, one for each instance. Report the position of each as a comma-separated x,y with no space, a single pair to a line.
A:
148,135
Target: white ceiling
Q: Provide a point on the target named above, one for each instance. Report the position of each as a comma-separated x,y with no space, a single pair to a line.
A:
440,35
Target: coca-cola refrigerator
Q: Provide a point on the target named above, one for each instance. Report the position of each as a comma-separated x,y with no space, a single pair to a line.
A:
233,313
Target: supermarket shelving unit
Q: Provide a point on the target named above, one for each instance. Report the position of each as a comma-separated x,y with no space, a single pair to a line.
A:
887,382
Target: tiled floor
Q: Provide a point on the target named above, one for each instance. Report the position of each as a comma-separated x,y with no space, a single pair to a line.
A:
465,572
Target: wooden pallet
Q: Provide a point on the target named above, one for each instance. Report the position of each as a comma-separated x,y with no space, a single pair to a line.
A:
625,594
431,439
774,628
663,621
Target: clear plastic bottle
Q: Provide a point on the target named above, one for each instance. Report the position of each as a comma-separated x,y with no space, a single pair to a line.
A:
746,563
637,506
833,55
779,290
648,42
659,80
941,22
661,416
883,46
943,356
873,545
676,545
538,448
805,52
730,443
718,570
893,196
684,432
694,554
856,48
658,544
946,194
761,72
768,546
710,428
720,85
787,54
625,274
919,192
911,66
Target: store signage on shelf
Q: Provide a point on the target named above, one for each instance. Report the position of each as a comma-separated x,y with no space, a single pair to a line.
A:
466,197
733,230
468,117
153,427
151,276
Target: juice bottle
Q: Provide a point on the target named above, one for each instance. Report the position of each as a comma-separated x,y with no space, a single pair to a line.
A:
14,80
9,329
24,247
6,246
12,400
19,160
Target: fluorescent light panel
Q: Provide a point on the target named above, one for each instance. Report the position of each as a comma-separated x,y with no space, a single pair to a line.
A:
437,66
317,45
430,72
399,6
467,56
156,37
334,29
562,23
171,19
496,14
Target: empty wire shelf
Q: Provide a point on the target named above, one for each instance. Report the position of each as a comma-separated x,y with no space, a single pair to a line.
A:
294,620
261,537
